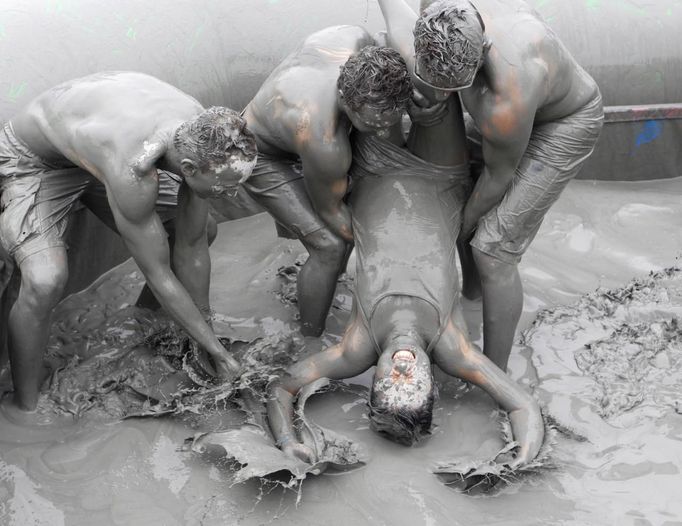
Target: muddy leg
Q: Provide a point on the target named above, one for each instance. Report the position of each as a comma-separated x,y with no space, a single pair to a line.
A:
502,306
317,279
43,277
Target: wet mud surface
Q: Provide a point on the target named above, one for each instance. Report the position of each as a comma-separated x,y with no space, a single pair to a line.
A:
605,365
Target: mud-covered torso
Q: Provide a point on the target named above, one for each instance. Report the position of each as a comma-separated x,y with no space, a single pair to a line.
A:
526,56
298,101
406,217
101,122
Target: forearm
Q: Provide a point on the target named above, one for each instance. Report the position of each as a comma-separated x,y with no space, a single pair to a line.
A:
326,194
281,414
400,20
192,266
528,429
178,303
488,193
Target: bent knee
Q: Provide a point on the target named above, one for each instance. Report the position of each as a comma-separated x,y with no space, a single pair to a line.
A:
324,245
490,267
44,285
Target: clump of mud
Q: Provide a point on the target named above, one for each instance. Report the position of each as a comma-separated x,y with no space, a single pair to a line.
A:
479,475
629,341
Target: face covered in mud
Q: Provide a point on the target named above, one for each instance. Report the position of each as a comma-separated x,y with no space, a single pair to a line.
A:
217,152
224,179
402,396
371,119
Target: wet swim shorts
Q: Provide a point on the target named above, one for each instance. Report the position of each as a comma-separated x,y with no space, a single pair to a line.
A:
277,185
555,154
38,196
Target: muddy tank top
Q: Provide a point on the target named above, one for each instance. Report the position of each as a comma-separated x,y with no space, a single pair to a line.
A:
406,216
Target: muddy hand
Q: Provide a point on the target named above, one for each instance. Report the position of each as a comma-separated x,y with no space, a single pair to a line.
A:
298,451
424,112
227,368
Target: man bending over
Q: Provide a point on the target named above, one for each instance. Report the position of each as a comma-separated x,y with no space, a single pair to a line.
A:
538,114
406,310
302,116
118,127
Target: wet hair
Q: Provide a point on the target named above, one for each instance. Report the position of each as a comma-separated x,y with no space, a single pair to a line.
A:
376,76
214,135
449,41
406,423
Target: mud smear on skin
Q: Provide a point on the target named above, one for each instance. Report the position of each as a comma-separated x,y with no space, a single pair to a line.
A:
91,471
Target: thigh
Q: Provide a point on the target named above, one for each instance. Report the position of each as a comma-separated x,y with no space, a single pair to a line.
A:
508,229
278,186
35,209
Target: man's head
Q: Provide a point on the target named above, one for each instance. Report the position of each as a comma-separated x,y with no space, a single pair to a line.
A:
402,395
374,88
450,44
217,152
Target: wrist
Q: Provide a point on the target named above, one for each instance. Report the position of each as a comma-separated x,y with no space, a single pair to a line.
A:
285,440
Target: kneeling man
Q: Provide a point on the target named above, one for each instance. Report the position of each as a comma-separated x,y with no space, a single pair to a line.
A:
118,127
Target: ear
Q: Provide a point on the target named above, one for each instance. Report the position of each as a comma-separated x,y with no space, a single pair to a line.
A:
188,167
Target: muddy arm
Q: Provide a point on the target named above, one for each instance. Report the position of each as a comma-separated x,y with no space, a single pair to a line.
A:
132,206
458,357
325,170
353,356
400,20
191,260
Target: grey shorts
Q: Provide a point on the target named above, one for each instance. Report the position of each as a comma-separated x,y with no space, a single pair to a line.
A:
555,154
277,185
37,198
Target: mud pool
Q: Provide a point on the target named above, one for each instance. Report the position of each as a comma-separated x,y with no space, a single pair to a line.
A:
606,366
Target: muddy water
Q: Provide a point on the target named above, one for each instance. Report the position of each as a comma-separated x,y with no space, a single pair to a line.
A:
624,470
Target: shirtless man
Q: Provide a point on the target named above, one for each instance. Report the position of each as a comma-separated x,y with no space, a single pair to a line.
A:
406,310
118,127
538,115
302,116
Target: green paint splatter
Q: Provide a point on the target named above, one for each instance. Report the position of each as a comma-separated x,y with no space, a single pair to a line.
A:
16,91
54,6
196,36
658,77
669,12
592,4
541,3
131,33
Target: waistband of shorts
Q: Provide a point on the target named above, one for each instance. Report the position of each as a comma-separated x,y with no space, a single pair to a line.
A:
593,108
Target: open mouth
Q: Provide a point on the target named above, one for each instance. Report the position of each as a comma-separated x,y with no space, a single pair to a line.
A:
404,355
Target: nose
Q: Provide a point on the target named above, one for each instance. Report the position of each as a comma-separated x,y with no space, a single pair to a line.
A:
403,367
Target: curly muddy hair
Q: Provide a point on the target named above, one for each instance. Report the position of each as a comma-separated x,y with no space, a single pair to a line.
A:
215,134
376,76
405,424
449,41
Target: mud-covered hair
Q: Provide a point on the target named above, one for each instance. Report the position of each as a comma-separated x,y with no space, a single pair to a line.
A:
214,135
376,76
449,41
405,424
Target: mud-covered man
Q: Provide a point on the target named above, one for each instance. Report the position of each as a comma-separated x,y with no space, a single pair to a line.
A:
537,116
406,207
114,129
337,79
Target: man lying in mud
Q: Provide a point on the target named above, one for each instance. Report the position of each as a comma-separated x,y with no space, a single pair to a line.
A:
337,79
406,311
114,129
538,115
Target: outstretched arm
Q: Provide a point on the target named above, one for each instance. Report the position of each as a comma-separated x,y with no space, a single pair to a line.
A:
352,356
132,199
458,357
